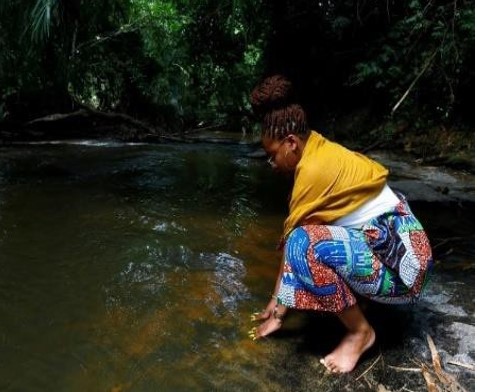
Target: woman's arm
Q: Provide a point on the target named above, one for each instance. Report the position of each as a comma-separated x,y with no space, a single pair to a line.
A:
272,316
274,306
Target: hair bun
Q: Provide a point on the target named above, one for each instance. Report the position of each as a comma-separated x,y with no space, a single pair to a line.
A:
275,91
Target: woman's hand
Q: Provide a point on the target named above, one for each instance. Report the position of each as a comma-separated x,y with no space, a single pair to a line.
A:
266,313
273,318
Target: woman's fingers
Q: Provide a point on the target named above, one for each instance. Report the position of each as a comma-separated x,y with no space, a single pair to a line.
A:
254,316
253,334
259,316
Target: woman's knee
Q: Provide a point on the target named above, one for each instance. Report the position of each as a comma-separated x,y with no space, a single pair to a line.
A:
296,246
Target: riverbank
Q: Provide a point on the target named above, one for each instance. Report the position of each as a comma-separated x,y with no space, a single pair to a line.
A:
450,147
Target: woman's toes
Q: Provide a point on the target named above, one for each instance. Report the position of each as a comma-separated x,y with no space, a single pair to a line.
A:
325,364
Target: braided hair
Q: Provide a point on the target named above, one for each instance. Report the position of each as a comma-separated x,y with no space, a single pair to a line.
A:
273,101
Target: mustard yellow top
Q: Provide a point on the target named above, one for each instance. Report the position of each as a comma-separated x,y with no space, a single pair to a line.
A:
330,182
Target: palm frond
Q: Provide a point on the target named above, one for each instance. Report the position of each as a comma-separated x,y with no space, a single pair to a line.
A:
40,19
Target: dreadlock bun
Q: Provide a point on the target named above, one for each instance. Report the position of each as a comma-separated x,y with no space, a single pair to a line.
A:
274,92
273,101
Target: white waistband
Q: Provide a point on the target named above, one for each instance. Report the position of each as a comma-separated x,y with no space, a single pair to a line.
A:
385,201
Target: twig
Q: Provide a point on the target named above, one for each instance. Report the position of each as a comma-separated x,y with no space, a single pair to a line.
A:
368,369
430,381
403,369
128,28
448,381
436,361
367,382
464,365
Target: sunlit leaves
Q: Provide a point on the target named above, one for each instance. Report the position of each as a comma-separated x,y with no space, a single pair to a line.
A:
253,55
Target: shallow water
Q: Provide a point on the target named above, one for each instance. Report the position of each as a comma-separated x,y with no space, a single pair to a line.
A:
136,267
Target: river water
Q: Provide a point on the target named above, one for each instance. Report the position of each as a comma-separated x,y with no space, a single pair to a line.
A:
136,267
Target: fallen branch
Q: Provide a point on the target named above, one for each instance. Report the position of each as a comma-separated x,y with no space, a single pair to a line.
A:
120,116
87,110
58,117
448,381
428,63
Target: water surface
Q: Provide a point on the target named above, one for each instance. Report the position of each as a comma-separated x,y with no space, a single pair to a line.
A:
136,267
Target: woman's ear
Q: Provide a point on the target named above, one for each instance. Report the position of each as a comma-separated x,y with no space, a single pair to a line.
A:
293,140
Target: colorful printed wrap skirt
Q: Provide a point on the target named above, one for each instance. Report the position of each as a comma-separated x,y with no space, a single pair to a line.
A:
386,261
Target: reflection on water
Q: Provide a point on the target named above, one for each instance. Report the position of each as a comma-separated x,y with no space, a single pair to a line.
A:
132,268
136,267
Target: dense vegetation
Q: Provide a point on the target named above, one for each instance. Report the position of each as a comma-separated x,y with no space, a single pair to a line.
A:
175,64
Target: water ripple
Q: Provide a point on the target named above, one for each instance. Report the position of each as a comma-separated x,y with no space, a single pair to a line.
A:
228,276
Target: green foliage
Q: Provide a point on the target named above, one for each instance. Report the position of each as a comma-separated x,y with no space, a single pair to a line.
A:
180,62
148,58
424,52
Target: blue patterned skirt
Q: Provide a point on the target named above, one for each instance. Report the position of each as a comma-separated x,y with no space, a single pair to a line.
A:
386,260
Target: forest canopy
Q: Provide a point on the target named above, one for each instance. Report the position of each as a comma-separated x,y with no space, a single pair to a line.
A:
177,64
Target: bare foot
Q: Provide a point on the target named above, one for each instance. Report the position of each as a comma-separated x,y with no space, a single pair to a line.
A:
343,359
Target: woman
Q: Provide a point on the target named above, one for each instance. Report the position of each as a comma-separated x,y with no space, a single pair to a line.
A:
347,232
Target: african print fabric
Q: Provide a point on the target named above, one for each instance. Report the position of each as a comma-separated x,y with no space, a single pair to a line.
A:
386,261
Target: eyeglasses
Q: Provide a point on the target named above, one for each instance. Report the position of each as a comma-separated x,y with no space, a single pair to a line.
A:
271,159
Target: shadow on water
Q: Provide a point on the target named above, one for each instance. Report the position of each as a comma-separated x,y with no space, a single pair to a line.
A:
135,268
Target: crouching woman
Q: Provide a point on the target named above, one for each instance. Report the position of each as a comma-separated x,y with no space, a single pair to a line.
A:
347,233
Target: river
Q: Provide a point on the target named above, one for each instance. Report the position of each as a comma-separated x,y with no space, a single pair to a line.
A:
135,267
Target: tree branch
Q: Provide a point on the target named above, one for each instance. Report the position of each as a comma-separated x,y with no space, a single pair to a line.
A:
88,110
428,63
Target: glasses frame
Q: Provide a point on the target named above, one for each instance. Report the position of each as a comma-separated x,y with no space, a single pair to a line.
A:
271,159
